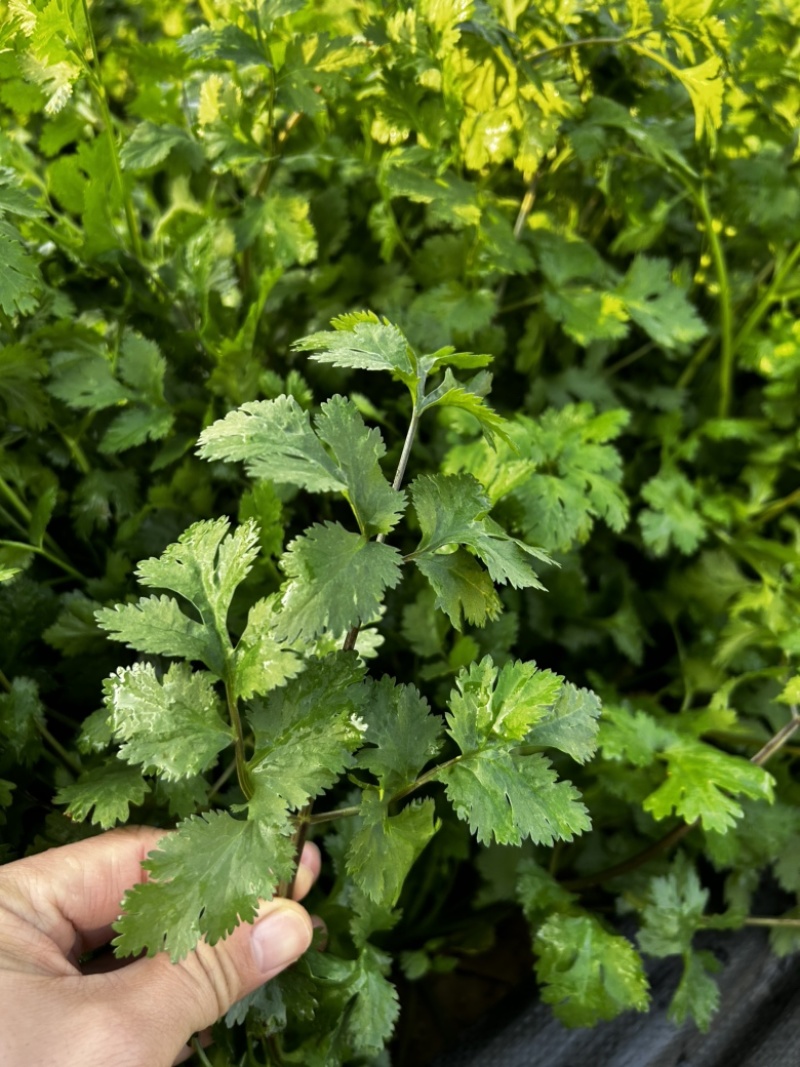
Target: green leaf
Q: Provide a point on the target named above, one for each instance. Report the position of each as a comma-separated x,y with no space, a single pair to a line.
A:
587,973
135,426
364,342
83,378
673,912
571,725
385,848
655,303
171,725
540,894
706,87
157,626
697,996
205,566
204,879
701,783
150,145
21,719
260,662
323,565
75,632
276,442
105,793
306,732
674,514
469,397
512,797
453,510
357,450
464,591
20,281
631,735
402,733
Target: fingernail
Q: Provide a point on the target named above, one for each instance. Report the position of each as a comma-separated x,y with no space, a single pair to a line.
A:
279,940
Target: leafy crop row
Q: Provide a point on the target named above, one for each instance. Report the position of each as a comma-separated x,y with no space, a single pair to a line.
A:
538,653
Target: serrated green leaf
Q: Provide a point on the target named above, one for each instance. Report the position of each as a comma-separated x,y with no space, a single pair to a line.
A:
21,719
571,725
366,344
104,795
358,450
260,662
469,397
697,996
631,735
150,145
171,725
276,442
674,514
157,626
701,783
673,912
587,973
491,704
336,581
464,591
75,632
135,426
539,894
205,566
402,733
510,798
385,848
655,303
83,379
306,732
204,879
453,510
20,281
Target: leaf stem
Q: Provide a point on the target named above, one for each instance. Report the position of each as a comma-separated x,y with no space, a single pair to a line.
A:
774,745
66,758
66,567
765,921
755,317
96,82
725,307
242,772
198,1049
582,42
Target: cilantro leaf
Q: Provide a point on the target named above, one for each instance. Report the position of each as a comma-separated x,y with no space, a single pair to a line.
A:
587,973
700,781
156,625
21,719
260,662
402,734
571,725
357,450
464,590
453,510
497,791
362,341
105,793
186,898
655,303
205,566
276,442
336,580
20,280
306,732
469,397
171,725
697,996
674,515
384,849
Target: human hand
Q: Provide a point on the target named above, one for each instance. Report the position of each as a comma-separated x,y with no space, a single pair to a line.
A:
56,906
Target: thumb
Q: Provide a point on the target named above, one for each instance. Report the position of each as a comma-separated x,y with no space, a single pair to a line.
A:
165,1003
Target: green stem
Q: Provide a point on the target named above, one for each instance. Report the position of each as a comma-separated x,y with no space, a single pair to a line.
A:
197,1048
66,758
66,567
12,497
242,770
101,97
582,42
725,308
763,921
755,317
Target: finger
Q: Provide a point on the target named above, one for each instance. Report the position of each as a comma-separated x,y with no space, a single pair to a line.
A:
166,1003
308,871
73,893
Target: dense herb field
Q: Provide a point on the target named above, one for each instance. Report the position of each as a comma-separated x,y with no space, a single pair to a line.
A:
512,622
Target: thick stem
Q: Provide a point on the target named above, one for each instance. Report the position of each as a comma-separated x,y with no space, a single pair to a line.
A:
725,308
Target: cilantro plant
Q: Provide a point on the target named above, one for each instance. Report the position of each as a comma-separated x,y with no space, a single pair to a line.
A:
252,591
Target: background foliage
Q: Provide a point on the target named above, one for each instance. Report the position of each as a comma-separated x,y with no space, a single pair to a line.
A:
604,197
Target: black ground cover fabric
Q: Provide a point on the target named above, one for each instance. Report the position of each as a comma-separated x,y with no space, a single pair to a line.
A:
758,1024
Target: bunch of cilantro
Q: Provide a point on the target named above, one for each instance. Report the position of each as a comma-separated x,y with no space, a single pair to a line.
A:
274,566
